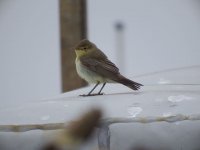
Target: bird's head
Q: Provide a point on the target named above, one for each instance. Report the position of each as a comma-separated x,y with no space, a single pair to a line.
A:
84,47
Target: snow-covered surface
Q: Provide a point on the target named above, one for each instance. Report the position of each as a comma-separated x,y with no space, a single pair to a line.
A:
168,93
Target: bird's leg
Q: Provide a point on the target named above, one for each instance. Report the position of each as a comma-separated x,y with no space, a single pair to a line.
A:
89,94
93,89
99,93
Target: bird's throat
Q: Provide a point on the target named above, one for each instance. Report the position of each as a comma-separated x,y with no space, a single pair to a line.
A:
80,53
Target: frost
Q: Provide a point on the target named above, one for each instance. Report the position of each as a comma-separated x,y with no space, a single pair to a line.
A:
179,98
134,111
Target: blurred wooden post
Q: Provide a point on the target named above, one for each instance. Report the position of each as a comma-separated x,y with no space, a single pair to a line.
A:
72,30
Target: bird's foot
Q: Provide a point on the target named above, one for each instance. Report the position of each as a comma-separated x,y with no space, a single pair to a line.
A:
95,94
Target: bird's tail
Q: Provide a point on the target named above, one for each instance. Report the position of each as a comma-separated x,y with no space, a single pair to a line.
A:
129,83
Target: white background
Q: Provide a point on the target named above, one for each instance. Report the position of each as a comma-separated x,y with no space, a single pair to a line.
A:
30,53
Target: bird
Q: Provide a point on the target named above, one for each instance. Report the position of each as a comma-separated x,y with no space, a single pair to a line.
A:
94,66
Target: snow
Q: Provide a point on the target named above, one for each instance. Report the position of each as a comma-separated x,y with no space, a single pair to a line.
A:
168,112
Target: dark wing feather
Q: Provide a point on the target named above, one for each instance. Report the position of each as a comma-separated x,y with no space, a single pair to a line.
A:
103,67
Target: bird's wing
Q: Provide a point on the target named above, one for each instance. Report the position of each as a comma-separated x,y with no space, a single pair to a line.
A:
103,67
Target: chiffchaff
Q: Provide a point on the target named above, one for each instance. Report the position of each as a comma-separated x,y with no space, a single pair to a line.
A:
93,66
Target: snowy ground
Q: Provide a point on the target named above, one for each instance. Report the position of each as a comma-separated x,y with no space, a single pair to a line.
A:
164,114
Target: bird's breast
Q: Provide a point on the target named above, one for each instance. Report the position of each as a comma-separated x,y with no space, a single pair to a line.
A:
88,75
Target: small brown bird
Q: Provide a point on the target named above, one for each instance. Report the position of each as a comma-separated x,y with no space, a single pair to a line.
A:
93,66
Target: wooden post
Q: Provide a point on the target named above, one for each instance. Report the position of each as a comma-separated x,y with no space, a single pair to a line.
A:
73,29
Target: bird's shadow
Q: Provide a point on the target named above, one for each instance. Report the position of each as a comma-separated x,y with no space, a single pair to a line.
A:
112,94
